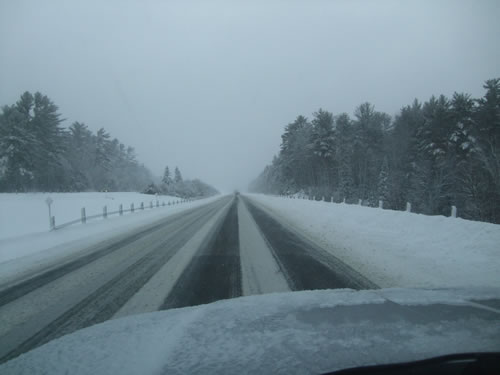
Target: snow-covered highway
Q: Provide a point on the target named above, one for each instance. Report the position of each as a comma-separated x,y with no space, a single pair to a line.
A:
225,248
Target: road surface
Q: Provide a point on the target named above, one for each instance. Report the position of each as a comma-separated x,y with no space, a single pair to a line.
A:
227,248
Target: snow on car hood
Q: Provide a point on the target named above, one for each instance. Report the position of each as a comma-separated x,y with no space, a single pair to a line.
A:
297,332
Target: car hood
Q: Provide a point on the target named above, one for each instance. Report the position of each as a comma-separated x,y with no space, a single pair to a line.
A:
296,332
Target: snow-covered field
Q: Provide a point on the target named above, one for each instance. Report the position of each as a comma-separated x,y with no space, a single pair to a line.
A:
398,249
22,214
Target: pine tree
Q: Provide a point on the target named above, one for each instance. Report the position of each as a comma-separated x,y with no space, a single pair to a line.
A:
46,127
322,145
178,176
80,156
367,149
167,180
344,140
295,155
383,181
488,155
433,178
17,150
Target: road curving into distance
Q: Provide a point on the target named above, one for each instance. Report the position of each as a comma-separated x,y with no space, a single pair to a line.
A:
227,248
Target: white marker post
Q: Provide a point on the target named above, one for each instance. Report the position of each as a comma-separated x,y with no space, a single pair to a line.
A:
49,202
453,211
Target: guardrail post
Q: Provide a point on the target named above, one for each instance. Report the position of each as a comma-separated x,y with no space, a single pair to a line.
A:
142,205
453,211
120,209
408,207
84,216
105,212
131,207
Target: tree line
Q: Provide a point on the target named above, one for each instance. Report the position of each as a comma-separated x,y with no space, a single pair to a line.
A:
443,152
38,154
178,187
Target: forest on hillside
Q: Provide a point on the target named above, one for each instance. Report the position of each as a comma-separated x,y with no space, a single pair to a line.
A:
38,154
443,152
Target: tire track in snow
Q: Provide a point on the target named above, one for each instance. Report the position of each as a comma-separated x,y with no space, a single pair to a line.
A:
214,273
305,265
22,288
110,297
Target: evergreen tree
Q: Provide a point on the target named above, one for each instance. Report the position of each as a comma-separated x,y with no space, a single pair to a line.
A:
167,180
178,176
488,151
46,127
17,150
295,154
322,144
344,132
383,181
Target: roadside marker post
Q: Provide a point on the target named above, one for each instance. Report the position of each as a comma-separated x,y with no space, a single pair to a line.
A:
453,211
120,209
49,202
83,215
105,212
408,207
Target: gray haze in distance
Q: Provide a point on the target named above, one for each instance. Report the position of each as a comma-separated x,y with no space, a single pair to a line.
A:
209,86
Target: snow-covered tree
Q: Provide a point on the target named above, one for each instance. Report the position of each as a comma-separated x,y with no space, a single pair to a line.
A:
167,179
177,175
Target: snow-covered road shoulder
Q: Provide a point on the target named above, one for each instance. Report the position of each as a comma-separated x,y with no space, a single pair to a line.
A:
27,253
398,249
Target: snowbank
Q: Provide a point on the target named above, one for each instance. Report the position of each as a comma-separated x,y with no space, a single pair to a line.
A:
398,249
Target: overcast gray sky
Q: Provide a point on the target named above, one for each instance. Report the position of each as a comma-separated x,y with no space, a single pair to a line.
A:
209,85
